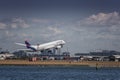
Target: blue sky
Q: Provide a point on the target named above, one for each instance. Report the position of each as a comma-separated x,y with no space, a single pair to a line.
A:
85,25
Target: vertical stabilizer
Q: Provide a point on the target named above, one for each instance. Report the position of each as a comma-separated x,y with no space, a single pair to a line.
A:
27,44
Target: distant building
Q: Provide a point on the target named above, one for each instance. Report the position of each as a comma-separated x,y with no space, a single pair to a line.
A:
63,56
46,55
20,54
6,55
114,58
104,55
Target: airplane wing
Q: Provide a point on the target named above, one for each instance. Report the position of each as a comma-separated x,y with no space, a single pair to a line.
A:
26,50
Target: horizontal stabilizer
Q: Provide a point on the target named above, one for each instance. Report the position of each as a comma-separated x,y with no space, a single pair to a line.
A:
20,44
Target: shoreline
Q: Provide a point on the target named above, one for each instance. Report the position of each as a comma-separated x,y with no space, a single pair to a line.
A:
60,63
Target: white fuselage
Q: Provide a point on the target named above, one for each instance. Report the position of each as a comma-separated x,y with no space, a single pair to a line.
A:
54,44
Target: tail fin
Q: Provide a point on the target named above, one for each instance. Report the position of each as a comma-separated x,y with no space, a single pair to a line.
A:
27,44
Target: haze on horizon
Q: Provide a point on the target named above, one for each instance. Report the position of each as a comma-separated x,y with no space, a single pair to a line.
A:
85,25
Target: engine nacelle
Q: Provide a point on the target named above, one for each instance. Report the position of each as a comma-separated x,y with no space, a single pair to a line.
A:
59,47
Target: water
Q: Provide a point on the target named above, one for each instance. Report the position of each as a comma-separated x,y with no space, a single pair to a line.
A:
57,73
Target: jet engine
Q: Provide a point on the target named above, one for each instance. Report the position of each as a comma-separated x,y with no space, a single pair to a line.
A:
59,47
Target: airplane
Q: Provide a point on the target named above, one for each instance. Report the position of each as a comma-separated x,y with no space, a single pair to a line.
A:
46,46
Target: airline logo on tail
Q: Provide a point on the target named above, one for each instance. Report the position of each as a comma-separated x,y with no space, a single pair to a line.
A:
28,45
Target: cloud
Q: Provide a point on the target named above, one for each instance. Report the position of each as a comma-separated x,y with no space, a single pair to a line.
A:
15,23
55,30
2,26
9,34
101,23
50,32
24,28
41,20
101,19
18,22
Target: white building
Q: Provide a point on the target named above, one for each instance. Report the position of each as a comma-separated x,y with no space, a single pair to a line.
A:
6,55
